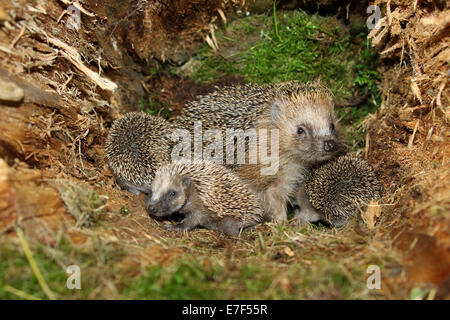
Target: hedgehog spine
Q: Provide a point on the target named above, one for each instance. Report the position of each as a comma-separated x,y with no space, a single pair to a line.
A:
337,190
137,144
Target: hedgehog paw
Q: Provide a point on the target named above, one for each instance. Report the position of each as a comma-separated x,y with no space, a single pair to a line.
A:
230,226
179,227
301,222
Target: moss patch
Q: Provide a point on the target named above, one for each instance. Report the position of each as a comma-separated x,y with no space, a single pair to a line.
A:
305,47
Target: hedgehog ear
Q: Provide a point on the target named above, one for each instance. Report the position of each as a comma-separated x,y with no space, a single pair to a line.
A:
275,111
137,189
148,192
134,188
185,181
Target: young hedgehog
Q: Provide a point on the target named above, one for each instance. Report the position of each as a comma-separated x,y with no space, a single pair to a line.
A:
137,144
336,191
207,194
304,117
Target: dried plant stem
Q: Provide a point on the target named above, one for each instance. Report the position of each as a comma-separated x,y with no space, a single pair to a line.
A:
34,266
275,20
20,293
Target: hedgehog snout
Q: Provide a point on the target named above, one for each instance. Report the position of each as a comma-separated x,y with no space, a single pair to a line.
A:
155,210
329,145
151,207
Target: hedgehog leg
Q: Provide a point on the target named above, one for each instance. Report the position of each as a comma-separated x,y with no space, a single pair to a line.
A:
192,220
188,223
179,227
305,214
230,226
274,205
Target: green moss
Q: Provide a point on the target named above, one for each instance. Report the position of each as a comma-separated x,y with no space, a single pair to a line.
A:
311,47
151,106
187,280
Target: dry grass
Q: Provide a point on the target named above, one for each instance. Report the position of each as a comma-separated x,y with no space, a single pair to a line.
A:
85,205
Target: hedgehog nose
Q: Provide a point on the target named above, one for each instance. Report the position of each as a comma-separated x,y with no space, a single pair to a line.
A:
151,208
329,145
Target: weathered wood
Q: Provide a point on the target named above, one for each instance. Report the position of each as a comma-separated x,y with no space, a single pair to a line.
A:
31,93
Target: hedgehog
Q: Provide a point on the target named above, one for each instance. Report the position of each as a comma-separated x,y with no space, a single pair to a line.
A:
301,113
137,144
207,194
336,191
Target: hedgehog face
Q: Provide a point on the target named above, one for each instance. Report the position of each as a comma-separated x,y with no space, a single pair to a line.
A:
307,126
169,195
317,141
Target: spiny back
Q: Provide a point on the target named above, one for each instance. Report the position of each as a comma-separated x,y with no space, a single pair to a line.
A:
341,187
240,106
220,190
136,146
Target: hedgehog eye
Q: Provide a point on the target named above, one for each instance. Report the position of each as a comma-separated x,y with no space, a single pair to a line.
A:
172,194
332,127
300,130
